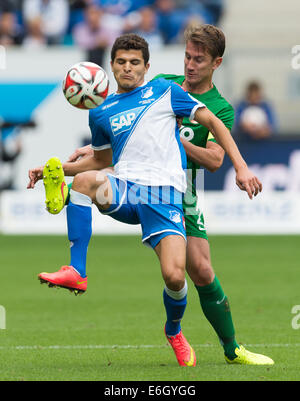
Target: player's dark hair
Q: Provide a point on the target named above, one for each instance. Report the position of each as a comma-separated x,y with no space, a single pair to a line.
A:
131,41
209,37
253,86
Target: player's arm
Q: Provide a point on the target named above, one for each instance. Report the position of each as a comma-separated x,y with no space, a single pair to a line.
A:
245,179
98,160
210,157
79,153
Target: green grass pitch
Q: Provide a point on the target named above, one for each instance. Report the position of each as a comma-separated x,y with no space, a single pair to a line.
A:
115,331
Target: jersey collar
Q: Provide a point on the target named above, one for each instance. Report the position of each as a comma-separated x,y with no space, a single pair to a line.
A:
135,89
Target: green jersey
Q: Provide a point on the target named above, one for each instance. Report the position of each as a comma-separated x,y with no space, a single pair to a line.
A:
199,135
194,132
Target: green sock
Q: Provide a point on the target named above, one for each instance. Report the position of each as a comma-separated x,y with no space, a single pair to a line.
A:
216,308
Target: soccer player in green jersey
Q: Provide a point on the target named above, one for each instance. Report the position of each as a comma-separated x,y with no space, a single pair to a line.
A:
205,45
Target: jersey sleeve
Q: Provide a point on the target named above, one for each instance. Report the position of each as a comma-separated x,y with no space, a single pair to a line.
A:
100,139
183,104
226,115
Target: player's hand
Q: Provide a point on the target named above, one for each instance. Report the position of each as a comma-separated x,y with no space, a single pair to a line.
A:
35,175
179,121
248,182
79,153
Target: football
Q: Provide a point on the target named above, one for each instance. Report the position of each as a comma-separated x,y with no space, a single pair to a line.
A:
86,85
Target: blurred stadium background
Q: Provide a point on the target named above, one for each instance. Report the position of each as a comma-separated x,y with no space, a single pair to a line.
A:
39,41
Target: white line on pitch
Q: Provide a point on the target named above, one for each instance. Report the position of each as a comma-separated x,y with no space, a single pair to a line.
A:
100,346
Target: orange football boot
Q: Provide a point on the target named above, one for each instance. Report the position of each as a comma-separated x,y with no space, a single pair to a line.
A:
67,277
183,351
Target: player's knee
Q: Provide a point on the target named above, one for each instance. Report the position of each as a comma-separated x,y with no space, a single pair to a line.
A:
201,272
175,279
104,194
82,183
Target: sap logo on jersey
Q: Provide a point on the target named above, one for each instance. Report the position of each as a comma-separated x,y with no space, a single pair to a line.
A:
123,121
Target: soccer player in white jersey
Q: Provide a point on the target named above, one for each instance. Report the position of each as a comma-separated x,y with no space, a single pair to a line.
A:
136,130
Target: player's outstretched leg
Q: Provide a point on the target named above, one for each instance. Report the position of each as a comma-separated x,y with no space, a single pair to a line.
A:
79,219
55,186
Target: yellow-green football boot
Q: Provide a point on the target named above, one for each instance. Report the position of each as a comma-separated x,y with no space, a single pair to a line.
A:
244,357
55,186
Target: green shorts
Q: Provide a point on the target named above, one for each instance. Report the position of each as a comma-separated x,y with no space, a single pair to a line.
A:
194,221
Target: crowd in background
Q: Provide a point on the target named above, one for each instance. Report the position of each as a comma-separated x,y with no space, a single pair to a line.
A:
96,23
93,25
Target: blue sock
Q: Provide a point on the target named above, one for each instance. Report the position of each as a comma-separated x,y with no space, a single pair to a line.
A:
175,310
79,220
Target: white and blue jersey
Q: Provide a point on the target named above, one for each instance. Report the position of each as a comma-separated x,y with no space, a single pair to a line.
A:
149,160
140,126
